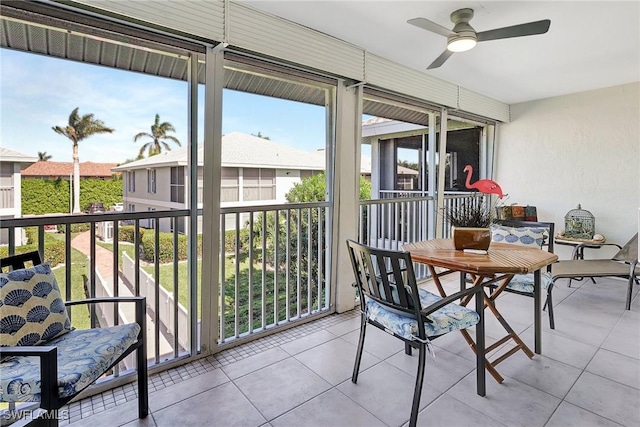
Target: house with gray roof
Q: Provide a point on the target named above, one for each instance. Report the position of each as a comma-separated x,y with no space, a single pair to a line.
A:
255,171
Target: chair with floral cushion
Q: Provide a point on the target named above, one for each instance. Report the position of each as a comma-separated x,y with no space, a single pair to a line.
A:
64,361
534,234
391,300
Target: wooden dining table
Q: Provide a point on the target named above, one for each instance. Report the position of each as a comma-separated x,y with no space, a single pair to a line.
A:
497,267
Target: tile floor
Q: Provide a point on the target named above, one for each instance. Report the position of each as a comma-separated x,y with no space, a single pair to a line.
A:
588,375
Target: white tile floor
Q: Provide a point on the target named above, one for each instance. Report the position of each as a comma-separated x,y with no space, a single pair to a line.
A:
588,375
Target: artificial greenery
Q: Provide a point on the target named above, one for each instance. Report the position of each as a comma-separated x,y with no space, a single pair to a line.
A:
473,213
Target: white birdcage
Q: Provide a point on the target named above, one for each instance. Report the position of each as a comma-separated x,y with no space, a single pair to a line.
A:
579,224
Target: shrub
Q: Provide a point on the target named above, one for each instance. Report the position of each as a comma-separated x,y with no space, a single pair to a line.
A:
54,249
165,251
126,233
230,240
75,228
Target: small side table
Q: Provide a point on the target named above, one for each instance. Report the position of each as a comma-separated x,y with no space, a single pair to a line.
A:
579,246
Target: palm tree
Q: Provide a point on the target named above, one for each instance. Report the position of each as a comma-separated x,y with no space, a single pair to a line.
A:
43,156
79,128
158,135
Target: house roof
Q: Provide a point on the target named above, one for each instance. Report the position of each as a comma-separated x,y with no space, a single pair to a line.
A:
64,169
239,150
7,155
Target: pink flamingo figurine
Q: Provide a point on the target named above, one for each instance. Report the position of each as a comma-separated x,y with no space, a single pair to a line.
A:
485,186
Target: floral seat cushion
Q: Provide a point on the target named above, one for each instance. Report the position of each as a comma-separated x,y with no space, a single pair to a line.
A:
448,318
83,356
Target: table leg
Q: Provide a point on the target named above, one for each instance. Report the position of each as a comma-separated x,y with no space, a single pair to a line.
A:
512,334
481,360
537,317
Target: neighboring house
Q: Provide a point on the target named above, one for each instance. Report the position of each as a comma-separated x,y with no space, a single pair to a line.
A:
64,170
406,178
11,165
255,171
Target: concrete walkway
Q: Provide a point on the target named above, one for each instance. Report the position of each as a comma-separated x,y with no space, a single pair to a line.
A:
104,268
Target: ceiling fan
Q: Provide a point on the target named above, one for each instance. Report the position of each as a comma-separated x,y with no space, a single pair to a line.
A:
463,37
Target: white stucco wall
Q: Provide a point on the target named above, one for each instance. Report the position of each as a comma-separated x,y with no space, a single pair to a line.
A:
285,180
579,148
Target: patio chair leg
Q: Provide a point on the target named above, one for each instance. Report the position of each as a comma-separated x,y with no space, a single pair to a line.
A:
407,348
356,367
629,292
143,386
549,303
417,392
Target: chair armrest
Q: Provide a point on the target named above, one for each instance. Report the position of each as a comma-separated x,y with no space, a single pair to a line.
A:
140,302
451,298
583,246
48,356
105,299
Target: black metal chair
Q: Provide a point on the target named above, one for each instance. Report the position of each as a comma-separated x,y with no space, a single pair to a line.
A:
54,392
391,300
522,284
624,264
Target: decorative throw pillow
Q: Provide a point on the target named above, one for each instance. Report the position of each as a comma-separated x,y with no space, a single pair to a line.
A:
31,307
524,236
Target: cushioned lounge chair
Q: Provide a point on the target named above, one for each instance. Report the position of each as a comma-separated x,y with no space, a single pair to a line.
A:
624,264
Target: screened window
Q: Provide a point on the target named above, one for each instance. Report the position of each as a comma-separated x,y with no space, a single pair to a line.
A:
152,221
259,184
131,181
177,184
151,181
230,185
6,174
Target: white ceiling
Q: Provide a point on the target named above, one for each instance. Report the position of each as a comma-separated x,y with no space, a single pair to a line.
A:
590,44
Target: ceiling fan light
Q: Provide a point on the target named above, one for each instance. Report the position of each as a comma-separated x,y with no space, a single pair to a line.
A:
461,44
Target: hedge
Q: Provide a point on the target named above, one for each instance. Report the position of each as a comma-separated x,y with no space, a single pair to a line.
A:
165,252
41,196
54,249
126,233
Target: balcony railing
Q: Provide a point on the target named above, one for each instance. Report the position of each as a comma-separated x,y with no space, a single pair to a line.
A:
273,266
403,217
115,254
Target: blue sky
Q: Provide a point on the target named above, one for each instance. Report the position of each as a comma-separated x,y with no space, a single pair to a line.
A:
39,92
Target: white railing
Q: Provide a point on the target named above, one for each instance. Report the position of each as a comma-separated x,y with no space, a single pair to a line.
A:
273,267
408,217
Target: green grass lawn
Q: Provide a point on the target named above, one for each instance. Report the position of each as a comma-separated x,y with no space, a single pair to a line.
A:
166,273
79,313
129,248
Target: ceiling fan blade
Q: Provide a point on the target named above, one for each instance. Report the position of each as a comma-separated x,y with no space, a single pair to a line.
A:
440,59
529,29
425,24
